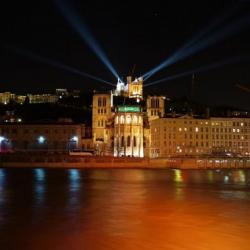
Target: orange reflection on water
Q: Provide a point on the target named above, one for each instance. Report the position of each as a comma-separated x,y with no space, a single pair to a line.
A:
137,209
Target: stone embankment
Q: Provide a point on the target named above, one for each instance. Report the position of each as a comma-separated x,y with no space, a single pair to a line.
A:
63,160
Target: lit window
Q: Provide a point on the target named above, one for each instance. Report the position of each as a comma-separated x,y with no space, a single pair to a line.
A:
122,119
135,119
128,119
196,129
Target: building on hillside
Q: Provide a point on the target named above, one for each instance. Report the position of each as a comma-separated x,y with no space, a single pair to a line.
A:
7,97
42,98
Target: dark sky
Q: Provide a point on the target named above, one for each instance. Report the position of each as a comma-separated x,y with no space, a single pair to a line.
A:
130,33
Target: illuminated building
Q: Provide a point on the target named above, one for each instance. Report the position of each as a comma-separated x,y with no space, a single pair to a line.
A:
42,98
190,136
155,107
6,97
62,93
128,131
20,99
101,115
119,122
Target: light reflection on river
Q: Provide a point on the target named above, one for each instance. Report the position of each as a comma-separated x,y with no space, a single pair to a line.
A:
124,209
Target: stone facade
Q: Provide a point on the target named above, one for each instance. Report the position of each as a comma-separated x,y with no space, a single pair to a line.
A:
43,137
190,136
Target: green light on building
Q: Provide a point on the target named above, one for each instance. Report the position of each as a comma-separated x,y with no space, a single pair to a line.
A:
129,109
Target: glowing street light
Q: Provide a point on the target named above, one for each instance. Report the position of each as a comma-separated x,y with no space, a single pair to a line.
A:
74,138
41,139
2,139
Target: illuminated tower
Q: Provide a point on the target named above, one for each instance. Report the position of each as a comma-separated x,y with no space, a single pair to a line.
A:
135,88
155,107
101,114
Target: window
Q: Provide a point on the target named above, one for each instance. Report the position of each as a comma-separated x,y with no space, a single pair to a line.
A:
99,101
128,141
104,101
122,141
122,119
134,141
128,119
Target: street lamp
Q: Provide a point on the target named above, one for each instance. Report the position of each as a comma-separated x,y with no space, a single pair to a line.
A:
2,139
74,140
41,139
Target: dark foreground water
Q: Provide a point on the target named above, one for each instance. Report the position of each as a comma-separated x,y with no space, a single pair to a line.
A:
124,209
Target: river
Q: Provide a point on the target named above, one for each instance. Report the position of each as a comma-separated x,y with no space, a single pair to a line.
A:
59,209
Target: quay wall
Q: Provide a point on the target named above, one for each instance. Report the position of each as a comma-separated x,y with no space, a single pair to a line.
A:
65,161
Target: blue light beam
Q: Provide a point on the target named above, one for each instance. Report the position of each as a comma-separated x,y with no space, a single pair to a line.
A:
192,48
197,70
31,55
81,28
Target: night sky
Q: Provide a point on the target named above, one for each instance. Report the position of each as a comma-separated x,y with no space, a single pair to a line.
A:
131,34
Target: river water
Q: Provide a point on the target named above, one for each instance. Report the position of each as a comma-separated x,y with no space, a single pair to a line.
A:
124,209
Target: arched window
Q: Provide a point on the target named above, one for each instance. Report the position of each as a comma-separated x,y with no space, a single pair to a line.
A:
152,103
135,119
99,101
128,141
128,119
157,103
139,120
122,119
134,141
104,101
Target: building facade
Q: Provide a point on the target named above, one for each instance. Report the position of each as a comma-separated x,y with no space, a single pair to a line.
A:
155,107
43,137
119,120
42,98
128,131
190,136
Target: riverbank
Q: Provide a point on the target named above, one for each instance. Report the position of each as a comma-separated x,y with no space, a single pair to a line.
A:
63,160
